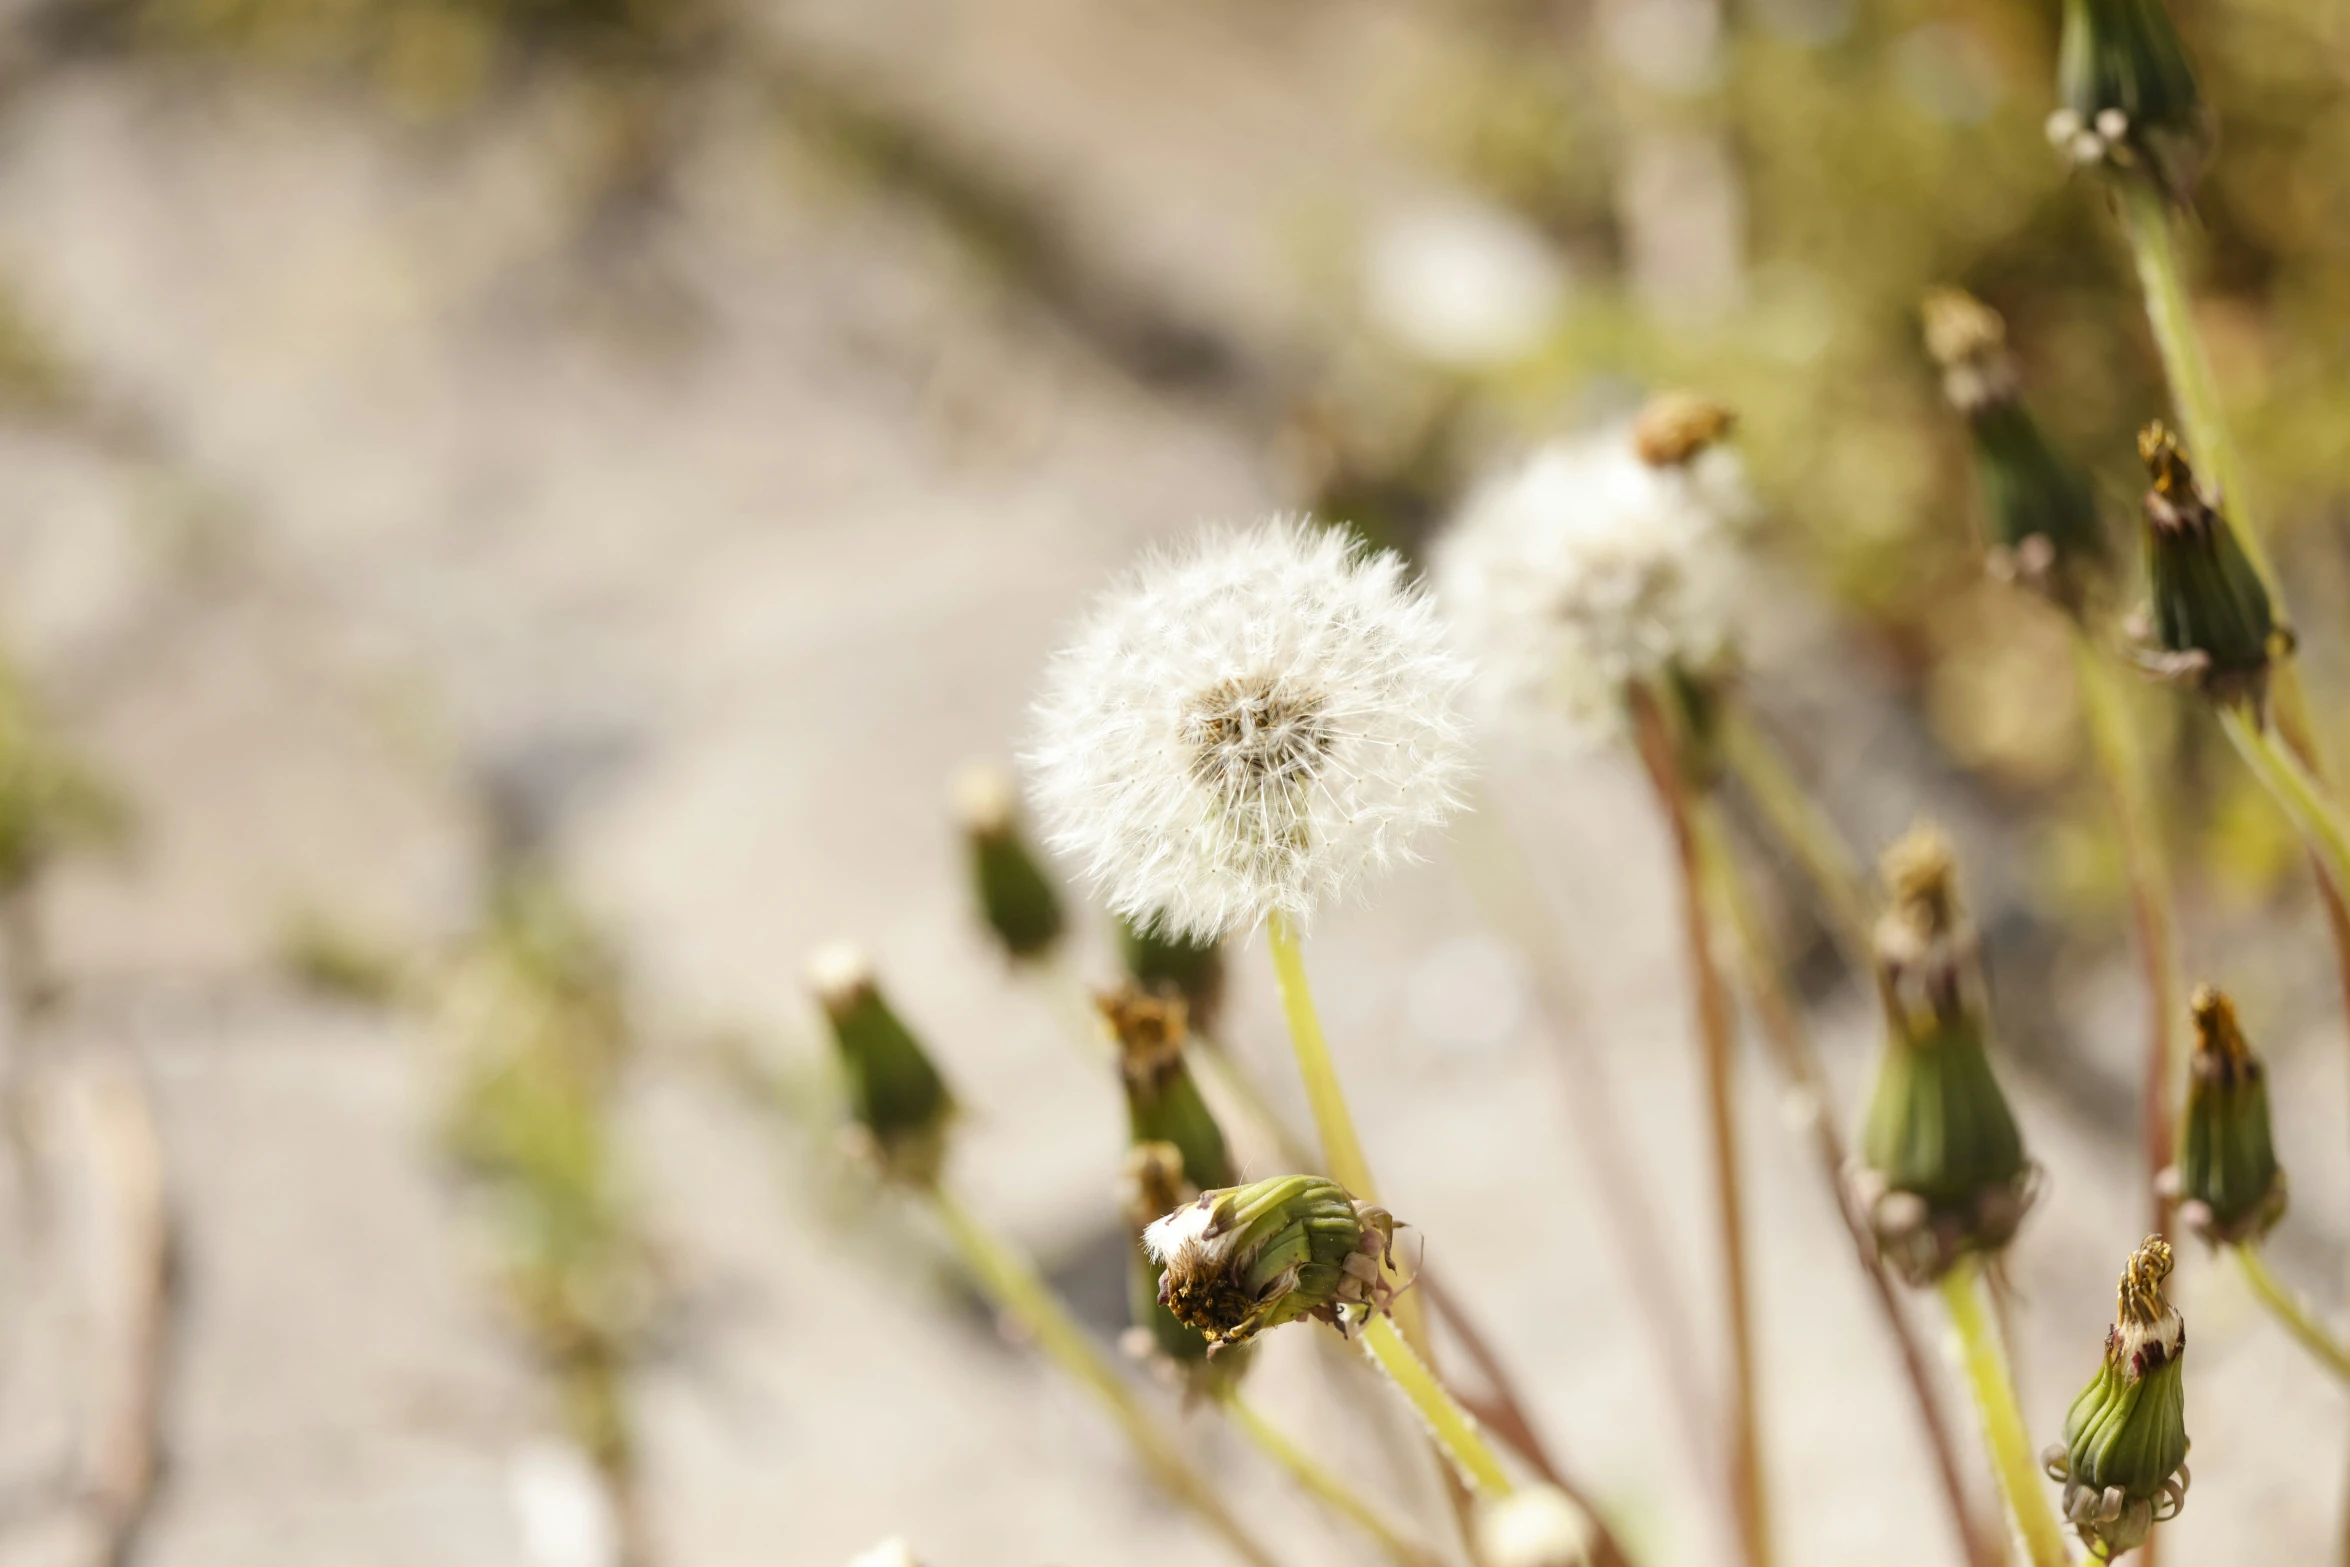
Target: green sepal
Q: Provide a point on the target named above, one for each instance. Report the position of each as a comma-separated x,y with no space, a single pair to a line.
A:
2031,490
1016,897
2126,55
1938,1124
1168,1108
895,1093
2206,599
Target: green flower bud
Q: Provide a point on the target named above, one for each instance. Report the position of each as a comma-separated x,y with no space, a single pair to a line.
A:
2209,621
1238,1261
1016,898
900,1103
1163,1104
2228,1176
1160,962
2130,100
2123,1460
1942,1170
2040,516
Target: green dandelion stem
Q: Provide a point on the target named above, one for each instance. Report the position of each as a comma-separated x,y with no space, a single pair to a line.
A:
2004,1431
1453,1428
1329,1489
2293,1312
2290,782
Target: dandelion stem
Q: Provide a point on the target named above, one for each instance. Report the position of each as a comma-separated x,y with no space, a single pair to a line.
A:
1014,1286
1342,1150
1800,1062
1803,830
2289,780
1329,1489
2142,861
1454,1429
1716,1036
2004,1431
2146,218
2291,1310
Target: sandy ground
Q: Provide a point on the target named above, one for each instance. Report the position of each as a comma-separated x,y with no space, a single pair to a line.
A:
732,555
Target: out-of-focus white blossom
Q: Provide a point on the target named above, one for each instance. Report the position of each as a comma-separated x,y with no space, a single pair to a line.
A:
892,1552
1248,727
1462,283
1534,1526
1587,567
561,1507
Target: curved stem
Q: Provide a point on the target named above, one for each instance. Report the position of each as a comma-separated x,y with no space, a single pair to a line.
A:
2293,1312
1717,1040
1015,1288
1454,1428
2286,778
2142,861
1803,830
2004,1431
1801,1064
1325,1487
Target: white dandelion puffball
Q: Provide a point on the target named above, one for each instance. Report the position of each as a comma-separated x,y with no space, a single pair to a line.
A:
1589,567
1247,727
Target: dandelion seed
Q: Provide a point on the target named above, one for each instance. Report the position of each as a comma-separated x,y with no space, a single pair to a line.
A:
1597,563
1248,728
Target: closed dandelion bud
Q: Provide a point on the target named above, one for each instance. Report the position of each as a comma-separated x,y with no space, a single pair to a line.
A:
2209,622
1942,1169
1244,1259
2129,97
1159,960
2040,520
900,1103
2123,1458
2232,1188
1016,898
1163,1104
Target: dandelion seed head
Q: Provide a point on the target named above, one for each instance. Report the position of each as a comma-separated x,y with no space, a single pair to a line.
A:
1249,727
1587,568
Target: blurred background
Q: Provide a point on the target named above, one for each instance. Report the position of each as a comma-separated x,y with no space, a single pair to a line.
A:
655,441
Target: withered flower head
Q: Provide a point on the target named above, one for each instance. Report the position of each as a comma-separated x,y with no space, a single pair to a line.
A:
1674,428
2231,1186
1248,1258
2210,623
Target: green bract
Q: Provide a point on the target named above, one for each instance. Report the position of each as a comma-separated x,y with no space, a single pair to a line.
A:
1158,962
2129,95
2232,1187
1015,896
1248,1258
1943,1166
2123,1457
898,1099
2209,615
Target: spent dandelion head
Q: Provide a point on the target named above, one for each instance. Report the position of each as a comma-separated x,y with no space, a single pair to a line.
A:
2123,1460
1016,898
2209,622
899,1102
1249,728
2041,523
1155,1182
1163,1104
2130,103
1942,1171
1242,1259
2230,1186
1597,563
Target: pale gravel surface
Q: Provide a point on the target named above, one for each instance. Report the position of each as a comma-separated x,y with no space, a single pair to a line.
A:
751,592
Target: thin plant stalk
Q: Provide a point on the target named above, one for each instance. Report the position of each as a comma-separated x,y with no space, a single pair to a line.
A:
2288,779
2293,1312
1325,1487
2119,768
1453,1428
1716,1037
2004,1432
1803,830
1342,1149
1800,1062
1498,875
1014,1286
